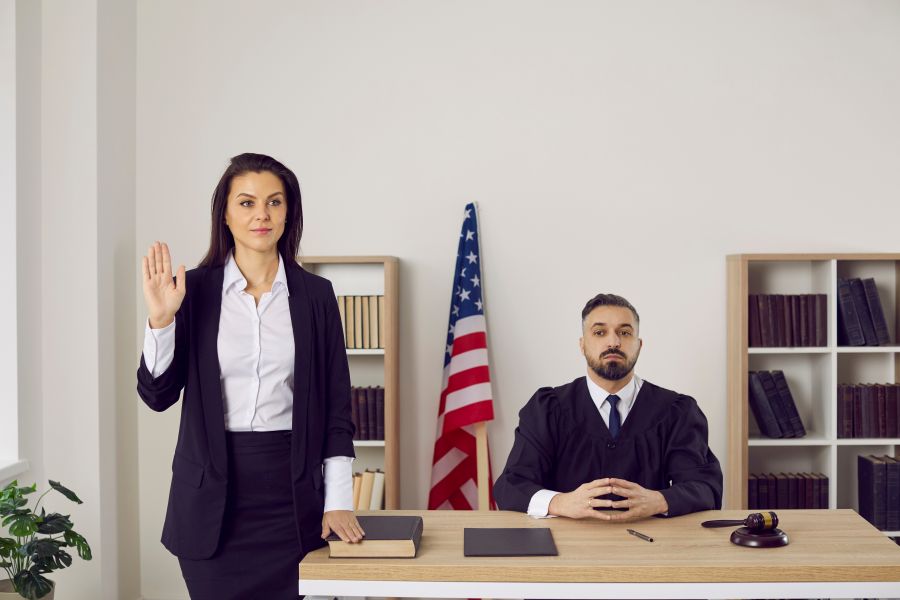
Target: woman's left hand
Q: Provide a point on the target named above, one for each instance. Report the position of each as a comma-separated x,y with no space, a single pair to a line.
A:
344,524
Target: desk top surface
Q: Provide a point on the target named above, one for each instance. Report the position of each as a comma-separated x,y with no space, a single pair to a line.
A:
825,545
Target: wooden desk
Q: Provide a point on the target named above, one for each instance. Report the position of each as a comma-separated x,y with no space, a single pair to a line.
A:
832,554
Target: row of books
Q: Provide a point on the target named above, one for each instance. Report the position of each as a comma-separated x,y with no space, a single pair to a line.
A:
787,490
878,491
363,321
368,490
868,411
861,319
367,412
779,320
773,406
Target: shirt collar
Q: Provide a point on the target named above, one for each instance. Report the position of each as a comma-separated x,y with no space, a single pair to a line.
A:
233,276
627,394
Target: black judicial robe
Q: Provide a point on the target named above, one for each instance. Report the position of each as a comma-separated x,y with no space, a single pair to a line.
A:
562,442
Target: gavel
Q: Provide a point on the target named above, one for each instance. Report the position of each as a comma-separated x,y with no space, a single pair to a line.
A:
761,521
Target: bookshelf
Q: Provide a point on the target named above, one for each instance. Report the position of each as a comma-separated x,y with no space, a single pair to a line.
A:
372,276
814,373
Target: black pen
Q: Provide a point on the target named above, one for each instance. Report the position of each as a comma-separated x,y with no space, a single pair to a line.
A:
646,538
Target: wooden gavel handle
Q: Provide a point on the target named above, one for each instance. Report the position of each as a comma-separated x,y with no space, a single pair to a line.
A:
723,523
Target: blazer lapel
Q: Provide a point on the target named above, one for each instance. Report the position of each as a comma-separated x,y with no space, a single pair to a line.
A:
301,323
207,312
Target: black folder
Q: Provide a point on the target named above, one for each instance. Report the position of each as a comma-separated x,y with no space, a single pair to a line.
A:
515,541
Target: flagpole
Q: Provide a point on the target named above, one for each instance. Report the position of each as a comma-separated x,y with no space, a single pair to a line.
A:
481,452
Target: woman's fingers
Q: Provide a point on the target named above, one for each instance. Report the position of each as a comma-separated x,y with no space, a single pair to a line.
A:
157,255
145,268
167,260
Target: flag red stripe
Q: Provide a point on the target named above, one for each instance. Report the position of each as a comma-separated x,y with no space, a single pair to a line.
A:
471,341
469,414
464,379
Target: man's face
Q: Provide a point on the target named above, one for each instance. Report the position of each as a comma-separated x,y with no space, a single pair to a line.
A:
610,341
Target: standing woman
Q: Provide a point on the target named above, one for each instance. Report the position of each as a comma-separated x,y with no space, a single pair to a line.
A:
257,345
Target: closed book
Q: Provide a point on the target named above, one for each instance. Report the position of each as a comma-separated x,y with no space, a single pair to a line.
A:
880,411
820,317
872,489
364,312
779,321
363,414
365,491
788,322
803,322
882,335
849,328
754,338
354,412
357,323
783,490
845,411
381,321
512,541
793,491
892,511
350,313
372,413
869,411
357,487
766,324
796,301
379,412
823,490
858,292
376,503
811,500
773,490
386,536
777,403
762,410
762,492
801,490
892,410
784,391
340,303
751,492
857,411
816,489
373,322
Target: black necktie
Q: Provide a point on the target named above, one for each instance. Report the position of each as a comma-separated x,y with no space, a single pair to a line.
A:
614,421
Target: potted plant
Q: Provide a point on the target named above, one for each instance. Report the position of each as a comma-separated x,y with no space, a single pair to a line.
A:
38,542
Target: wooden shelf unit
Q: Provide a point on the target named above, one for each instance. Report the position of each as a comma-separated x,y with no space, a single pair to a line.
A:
813,373
367,276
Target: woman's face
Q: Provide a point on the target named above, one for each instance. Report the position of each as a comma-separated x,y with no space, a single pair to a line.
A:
256,211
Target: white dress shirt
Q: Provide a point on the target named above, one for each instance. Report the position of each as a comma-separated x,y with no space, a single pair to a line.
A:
256,360
539,505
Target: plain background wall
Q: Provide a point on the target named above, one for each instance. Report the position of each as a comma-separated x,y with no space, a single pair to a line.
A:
611,146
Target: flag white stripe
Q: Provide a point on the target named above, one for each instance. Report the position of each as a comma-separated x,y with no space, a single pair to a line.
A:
467,360
467,325
469,395
470,490
446,464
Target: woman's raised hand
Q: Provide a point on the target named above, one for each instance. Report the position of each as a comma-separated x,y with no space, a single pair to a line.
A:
162,295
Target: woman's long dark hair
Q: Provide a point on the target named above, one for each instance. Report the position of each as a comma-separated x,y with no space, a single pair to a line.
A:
221,241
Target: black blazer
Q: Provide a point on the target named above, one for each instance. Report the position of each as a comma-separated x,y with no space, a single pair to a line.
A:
321,417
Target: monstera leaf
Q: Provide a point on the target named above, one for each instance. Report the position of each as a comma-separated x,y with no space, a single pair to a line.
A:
64,491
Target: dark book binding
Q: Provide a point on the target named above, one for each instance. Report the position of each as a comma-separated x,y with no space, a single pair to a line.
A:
816,491
787,400
499,541
754,334
782,484
793,491
892,501
762,410
823,490
363,414
820,319
762,492
871,489
873,301
849,326
766,324
892,410
780,340
845,411
752,499
789,322
778,405
866,411
858,293
387,536
379,412
803,321
880,411
372,414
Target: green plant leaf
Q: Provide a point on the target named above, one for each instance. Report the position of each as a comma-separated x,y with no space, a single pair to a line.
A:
65,491
21,525
41,548
76,540
53,523
7,547
32,584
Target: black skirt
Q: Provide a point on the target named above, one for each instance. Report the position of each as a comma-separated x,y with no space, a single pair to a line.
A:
258,555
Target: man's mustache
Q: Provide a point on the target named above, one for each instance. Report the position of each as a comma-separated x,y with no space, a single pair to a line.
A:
610,352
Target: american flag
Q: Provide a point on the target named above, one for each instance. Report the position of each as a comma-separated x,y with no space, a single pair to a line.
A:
466,396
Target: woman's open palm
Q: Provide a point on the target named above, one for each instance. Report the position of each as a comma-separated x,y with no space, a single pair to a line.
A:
162,295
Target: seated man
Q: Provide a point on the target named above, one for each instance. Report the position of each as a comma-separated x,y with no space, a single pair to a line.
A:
610,440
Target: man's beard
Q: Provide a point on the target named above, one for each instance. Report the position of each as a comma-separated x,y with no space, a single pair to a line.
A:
613,371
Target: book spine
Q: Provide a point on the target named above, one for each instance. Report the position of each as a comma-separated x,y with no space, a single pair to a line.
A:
858,423
873,301
363,414
372,413
788,323
848,321
379,412
845,411
865,480
858,293
880,411
762,409
783,492
820,319
892,513
779,321
753,335
787,399
891,412
766,324
795,320
762,492
777,404
752,502
803,319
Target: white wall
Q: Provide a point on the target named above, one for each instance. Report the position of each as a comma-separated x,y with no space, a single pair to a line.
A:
612,146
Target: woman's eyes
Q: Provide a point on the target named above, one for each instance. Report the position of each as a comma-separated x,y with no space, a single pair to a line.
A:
249,203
